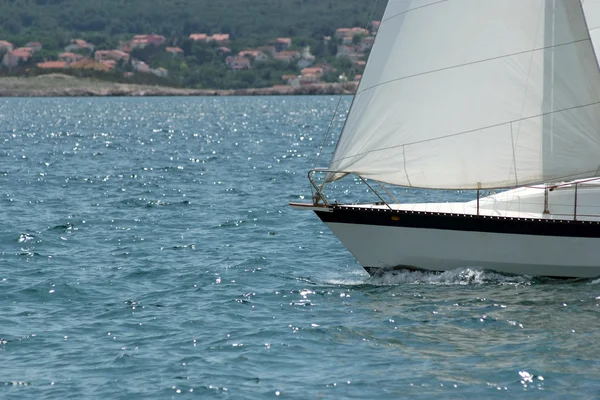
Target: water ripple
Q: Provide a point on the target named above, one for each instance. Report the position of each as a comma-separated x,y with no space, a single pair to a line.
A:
148,252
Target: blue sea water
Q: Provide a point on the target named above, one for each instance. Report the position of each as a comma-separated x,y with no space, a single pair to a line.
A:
147,250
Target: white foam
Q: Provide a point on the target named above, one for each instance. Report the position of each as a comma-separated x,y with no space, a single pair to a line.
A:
460,276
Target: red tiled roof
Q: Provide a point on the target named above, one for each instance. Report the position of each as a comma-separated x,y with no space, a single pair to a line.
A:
198,36
312,71
287,54
251,53
23,52
52,65
219,37
68,54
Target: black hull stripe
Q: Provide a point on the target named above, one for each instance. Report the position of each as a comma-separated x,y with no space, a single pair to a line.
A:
460,222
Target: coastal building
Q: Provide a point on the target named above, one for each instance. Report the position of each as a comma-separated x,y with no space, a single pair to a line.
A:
341,33
238,63
375,27
316,71
140,66
116,55
309,79
282,44
34,46
175,51
69,57
141,41
6,46
199,37
163,73
223,50
288,78
351,52
254,55
347,35
219,38
79,45
360,65
52,65
125,46
306,58
14,58
366,43
287,55
347,40
359,31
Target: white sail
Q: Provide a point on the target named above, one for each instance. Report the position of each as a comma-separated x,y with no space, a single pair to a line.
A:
466,94
591,10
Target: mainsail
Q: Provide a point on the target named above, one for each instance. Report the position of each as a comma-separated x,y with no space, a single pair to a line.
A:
467,94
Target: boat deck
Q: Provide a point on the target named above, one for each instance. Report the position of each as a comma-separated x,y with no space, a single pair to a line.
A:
564,203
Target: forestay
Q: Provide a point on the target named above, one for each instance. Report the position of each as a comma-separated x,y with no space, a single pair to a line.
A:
466,94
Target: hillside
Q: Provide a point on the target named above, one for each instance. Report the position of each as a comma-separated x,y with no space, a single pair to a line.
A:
192,44
251,19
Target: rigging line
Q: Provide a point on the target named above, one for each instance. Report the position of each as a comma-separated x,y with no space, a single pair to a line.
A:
341,96
413,9
388,192
471,63
467,132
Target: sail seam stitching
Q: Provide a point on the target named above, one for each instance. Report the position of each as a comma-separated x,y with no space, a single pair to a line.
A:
470,63
413,9
469,131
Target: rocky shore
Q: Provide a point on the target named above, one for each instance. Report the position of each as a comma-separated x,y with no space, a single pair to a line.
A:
59,85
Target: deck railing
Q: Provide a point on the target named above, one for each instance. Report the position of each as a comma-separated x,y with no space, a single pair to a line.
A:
319,198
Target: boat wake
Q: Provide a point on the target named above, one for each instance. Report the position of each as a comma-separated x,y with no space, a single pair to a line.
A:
461,276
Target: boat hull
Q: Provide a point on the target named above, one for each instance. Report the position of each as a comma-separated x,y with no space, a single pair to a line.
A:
440,242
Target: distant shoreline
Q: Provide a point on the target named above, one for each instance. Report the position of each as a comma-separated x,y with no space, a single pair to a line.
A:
59,85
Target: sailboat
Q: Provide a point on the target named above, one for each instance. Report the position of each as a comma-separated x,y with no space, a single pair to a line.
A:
478,95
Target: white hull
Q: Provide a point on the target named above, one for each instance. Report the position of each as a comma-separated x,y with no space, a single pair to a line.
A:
442,250
510,233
